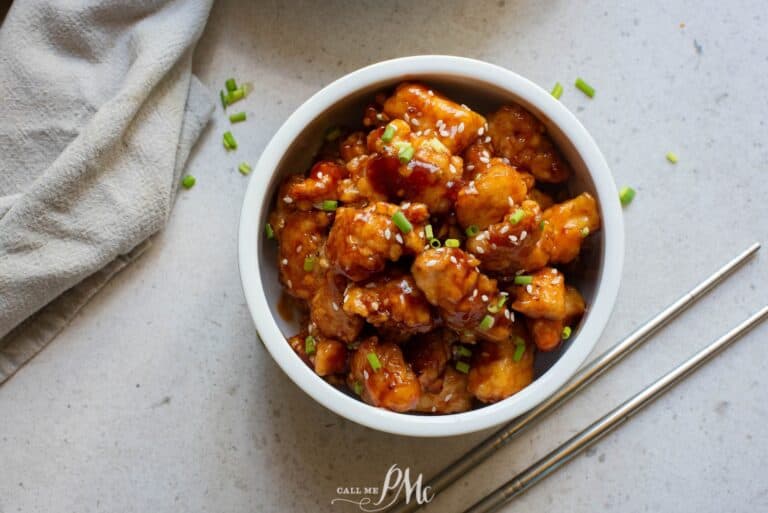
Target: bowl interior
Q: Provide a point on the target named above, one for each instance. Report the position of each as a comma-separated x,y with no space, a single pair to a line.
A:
482,97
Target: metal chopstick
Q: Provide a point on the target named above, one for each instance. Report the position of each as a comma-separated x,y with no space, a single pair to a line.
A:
592,370
566,451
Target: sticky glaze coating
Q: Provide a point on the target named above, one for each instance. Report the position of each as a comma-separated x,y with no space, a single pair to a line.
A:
428,247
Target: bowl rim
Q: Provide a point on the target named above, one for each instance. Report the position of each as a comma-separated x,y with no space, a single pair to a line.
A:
606,290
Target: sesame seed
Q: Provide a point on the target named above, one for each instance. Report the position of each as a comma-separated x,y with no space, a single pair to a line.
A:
430,92
365,373
523,235
512,316
465,106
387,234
487,139
320,175
480,250
452,168
335,306
375,305
289,283
448,397
504,229
470,167
415,122
461,127
481,130
399,238
431,263
506,313
484,298
453,260
529,288
288,200
434,409
484,160
474,293
285,261
299,248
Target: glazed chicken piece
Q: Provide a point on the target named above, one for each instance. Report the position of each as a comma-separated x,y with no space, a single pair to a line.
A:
546,333
495,374
494,192
301,237
391,303
517,135
544,297
452,396
477,157
450,280
512,244
321,184
327,314
424,109
354,145
363,240
428,355
411,167
327,357
566,225
390,382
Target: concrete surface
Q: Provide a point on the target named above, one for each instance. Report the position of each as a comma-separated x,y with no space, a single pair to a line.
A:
159,397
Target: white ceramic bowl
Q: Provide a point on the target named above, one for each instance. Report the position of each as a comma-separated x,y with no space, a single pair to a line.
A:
483,87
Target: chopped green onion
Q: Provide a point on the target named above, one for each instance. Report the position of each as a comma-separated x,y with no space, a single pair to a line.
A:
519,340
486,323
626,195
557,91
309,264
566,333
231,84
672,157
584,87
496,308
472,230
435,243
517,216
329,205
463,351
389,133
333,134
373,359
542,225
237,117
523,279
309,345
405,153
269,231
244,168
358,388
462,367
223,98
428,233
188,181
235,96
584,232
452,243
402,222
229,141
519,352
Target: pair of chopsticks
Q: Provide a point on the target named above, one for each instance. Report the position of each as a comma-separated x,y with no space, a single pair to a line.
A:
594,432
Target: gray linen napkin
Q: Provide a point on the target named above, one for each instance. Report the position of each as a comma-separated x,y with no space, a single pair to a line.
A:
98,113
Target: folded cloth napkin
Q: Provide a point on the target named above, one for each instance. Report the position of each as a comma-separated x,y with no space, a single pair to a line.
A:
98,114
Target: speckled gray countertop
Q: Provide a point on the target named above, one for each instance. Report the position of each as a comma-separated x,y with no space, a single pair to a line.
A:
159,398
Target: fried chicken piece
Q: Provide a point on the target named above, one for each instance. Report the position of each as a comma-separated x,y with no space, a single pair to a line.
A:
547,334
363,240
306,193
453,396
329,356
391,303
493,192
354,145
512,244
544,297
301,236
430,175
494,374
424,109
428,355
327,314
518,136
451,281
566,225
392,384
